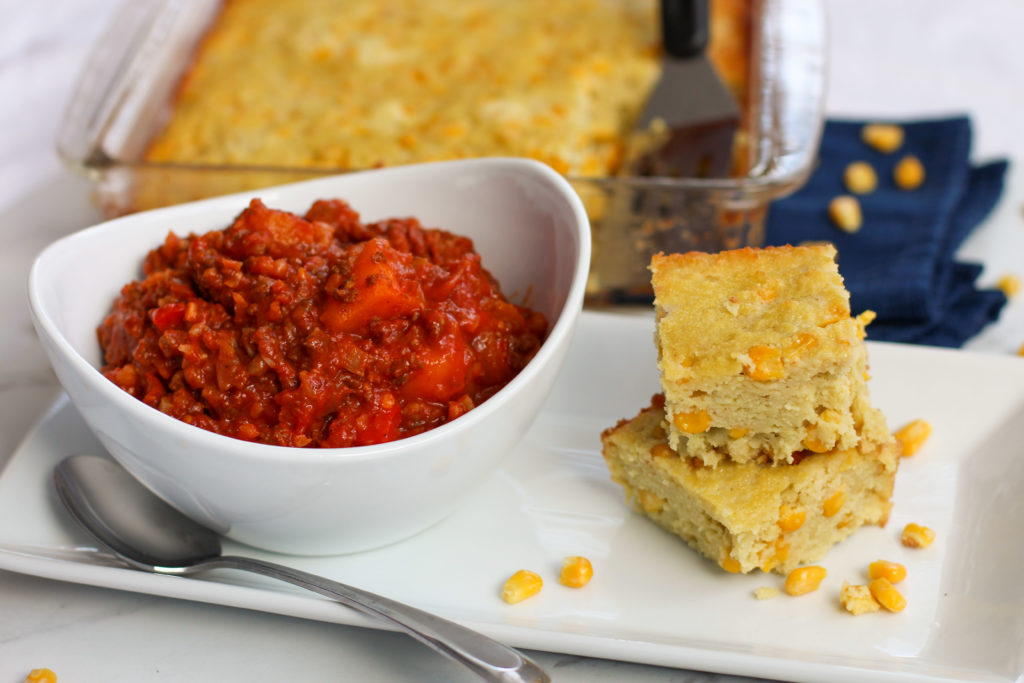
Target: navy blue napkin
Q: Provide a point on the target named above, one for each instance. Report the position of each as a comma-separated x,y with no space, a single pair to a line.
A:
901,263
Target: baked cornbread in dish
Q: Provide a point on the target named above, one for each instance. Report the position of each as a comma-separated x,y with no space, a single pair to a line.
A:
759,357
746,516
353,84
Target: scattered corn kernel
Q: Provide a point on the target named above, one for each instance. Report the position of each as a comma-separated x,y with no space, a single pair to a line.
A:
912,436
909,173
766,593
860,177
791,518
917,536
833,504
1009,285
692,423
521,585
738,432
887,595
894,571
804,580
765,363
845,212
576,572
1020,351
731,565
858,599
41,676
885,137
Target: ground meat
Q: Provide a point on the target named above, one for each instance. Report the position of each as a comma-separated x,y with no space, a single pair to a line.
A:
316,330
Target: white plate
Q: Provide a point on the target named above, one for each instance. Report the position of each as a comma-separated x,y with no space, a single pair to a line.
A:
652,599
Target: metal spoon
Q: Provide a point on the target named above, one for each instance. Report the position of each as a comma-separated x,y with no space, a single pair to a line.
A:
152,536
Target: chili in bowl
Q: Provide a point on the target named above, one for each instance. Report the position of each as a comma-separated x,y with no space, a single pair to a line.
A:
327,366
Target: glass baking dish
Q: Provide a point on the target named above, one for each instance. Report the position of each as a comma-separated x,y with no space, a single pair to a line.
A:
128,83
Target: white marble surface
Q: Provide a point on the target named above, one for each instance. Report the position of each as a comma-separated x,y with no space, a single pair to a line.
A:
913,58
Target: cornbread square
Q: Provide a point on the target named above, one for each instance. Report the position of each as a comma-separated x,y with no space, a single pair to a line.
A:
758,355
748,515
350,84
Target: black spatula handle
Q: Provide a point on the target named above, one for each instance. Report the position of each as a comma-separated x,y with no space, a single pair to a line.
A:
684,27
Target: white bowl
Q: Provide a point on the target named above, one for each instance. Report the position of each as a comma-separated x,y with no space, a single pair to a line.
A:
533,235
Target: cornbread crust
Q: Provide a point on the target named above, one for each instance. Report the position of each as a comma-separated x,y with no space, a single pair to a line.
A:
731,513
759,357
359,83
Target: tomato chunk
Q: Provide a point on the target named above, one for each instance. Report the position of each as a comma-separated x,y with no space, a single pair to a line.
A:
378,289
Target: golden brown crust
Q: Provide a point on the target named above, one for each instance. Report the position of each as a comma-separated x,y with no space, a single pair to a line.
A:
733,513
359,83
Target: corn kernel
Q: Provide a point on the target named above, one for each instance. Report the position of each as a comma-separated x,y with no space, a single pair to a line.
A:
912,436
791,518
771,556
731,565
576,572
833,504
863,320
765,592
804,580
860,178
651,502
844,211
738,432
662,450
909,173
781,551
41,676
814,444
1009,285
521,585
830,416
885,137
882,569
917,536
887,595
765,363
802,342
858,599
692,423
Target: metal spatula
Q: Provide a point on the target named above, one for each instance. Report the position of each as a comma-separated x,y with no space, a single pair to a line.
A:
700,114
699,119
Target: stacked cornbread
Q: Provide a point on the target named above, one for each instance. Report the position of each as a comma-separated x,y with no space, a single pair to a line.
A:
763,450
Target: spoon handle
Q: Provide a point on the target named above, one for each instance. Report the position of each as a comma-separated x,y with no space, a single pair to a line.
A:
487,658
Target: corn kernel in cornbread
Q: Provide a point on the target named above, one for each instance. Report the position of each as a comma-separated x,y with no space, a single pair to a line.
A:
759,344
347,84
735,513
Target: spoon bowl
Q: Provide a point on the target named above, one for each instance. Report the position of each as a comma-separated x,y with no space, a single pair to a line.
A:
150,535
